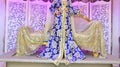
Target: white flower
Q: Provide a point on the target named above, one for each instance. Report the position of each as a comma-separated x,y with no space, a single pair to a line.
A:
48,54
54,44
55,51
77,54
58,26
47,49
69,56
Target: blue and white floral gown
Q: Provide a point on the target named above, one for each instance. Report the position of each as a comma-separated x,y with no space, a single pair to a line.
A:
71,50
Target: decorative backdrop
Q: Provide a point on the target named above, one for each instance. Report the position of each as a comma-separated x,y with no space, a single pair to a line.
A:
15,17
37,14
33,13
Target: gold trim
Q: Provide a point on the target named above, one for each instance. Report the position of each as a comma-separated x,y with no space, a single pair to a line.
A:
83,16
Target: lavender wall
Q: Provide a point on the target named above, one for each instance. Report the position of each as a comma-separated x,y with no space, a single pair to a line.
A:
119,28
116,27
2,23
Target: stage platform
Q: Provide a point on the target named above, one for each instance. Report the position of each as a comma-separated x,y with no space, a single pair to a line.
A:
32,61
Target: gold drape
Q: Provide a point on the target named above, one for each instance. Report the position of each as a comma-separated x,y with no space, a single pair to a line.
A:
91,38
28,41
